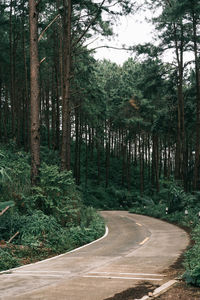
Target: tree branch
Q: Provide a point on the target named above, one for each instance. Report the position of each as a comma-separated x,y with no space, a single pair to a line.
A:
42,60
89,25
38,2
111,47
10,240
43,32
4,210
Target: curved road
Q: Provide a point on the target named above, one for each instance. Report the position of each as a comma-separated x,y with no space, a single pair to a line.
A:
137,248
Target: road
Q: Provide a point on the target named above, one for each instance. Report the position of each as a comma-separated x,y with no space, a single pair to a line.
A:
137,248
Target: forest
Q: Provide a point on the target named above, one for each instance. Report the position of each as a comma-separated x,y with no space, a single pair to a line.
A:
79,134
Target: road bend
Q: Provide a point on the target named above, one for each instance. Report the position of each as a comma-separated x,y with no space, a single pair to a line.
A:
136,249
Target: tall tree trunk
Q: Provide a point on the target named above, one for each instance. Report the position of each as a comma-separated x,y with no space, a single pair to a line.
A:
98,156
34,87
149,158
66,126
1,123
141,149
53,109
107,153
86,155
196,175
165,159
76,145
123,151
155,163
169,167
46,107
129,165
11,67
180,164
55,103
6,116
80,148
26,134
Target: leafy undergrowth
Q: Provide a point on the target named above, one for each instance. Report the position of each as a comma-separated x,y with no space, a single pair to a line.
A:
39,222
41,237
182,209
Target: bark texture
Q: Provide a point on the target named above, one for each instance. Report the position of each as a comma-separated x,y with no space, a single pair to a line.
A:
34,94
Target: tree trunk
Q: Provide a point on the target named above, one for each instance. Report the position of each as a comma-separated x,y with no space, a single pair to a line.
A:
180,167
107,154
66,126
196,175
98,157
46,111
6,116
76,145
1,123
155,163
129,165
141,149
34,87
86,155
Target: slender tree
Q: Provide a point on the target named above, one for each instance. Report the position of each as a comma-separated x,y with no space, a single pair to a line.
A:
34,92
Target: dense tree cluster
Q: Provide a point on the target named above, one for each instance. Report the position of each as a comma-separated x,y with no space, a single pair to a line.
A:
142,118
130,134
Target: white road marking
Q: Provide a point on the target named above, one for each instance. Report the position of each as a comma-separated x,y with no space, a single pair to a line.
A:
120,277
131,220
133,274
145,240
39,271
55,257
31,274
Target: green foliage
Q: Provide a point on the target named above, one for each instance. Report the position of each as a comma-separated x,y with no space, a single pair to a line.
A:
41,235
15,173
4,204
56,195
108,198
7,260
192,260
49,155
50,218
172,196
92,227
153,210
40,230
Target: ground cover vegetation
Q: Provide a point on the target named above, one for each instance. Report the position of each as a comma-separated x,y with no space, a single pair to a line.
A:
88,133
41,220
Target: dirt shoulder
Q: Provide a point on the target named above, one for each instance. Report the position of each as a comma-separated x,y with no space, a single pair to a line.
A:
179,291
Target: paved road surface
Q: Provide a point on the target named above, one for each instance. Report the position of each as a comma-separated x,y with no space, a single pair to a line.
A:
137,248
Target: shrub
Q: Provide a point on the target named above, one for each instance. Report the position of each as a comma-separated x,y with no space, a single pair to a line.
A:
50,217
92,227
56,195
40,230
192,260
7,261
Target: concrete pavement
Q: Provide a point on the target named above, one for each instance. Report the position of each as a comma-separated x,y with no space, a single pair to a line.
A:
137,248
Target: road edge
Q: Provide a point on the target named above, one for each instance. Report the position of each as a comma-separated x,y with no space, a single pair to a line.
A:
160,290
60,255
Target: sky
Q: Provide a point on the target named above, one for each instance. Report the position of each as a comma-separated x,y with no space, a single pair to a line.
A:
129,31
